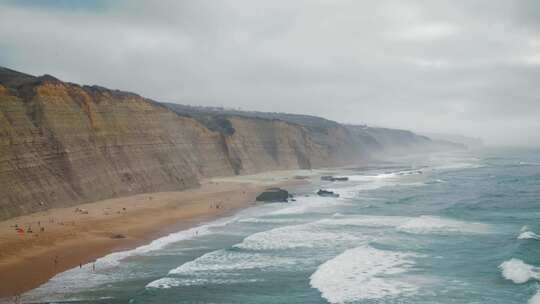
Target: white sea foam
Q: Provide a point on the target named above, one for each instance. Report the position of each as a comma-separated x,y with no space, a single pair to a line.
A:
113,259
164,283
535,299
167,282
372,182
263,220
226,260
436,181
457,166
221,267
528,235
519,272
381,176
313,204
433,224
366,221
298,236
363,273
352,192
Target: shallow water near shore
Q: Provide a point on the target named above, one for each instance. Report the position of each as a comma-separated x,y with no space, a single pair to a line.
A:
444,228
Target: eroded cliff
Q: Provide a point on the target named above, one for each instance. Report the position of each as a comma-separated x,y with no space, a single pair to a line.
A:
62,144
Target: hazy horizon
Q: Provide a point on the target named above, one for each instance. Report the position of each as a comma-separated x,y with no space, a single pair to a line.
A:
456,67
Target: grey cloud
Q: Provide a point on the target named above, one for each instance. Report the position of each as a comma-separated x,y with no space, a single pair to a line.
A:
447,66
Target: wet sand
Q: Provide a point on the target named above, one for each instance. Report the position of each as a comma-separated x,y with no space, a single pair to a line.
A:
72,237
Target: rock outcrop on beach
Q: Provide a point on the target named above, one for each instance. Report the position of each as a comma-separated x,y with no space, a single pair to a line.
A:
63,144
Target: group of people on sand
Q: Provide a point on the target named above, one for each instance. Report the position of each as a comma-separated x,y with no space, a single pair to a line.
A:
27,228
21,230
217,205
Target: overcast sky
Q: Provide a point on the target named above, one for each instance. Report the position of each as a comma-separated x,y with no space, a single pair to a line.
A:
469,67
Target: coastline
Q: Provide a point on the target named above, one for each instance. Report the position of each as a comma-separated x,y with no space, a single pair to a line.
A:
71,238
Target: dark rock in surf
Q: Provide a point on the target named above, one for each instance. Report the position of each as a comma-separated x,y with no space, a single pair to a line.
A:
274,195
327,193
331,178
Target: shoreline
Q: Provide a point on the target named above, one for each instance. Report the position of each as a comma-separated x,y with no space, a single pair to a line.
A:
71,238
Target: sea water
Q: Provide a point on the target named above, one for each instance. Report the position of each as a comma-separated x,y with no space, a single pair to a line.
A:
459,227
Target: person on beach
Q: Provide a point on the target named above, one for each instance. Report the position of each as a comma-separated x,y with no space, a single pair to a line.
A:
17,299
94,266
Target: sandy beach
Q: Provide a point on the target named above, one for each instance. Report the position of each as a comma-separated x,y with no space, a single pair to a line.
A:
64,238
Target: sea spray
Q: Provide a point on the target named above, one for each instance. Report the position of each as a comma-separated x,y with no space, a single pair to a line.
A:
527,234
519,272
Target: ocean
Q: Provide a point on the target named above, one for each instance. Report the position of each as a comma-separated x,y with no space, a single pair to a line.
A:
461,227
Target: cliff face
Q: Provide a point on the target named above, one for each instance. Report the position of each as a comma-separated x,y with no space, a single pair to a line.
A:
262,144
63,144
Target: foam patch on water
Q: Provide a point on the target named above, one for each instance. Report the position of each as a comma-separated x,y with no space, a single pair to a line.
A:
113,259
535,299
366,221
372,182
363,273
226,260
381,176
458,166
298,236
519,272
352,192
166,283
310,204
70,281
433,224
262,220
526,234
220,267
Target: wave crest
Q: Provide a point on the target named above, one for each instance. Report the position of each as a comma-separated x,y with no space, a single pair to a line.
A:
518,271
357,273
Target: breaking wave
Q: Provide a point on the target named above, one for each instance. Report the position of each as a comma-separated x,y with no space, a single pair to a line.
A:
432,224
363,273
526,234
519,272
113,259
306,235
